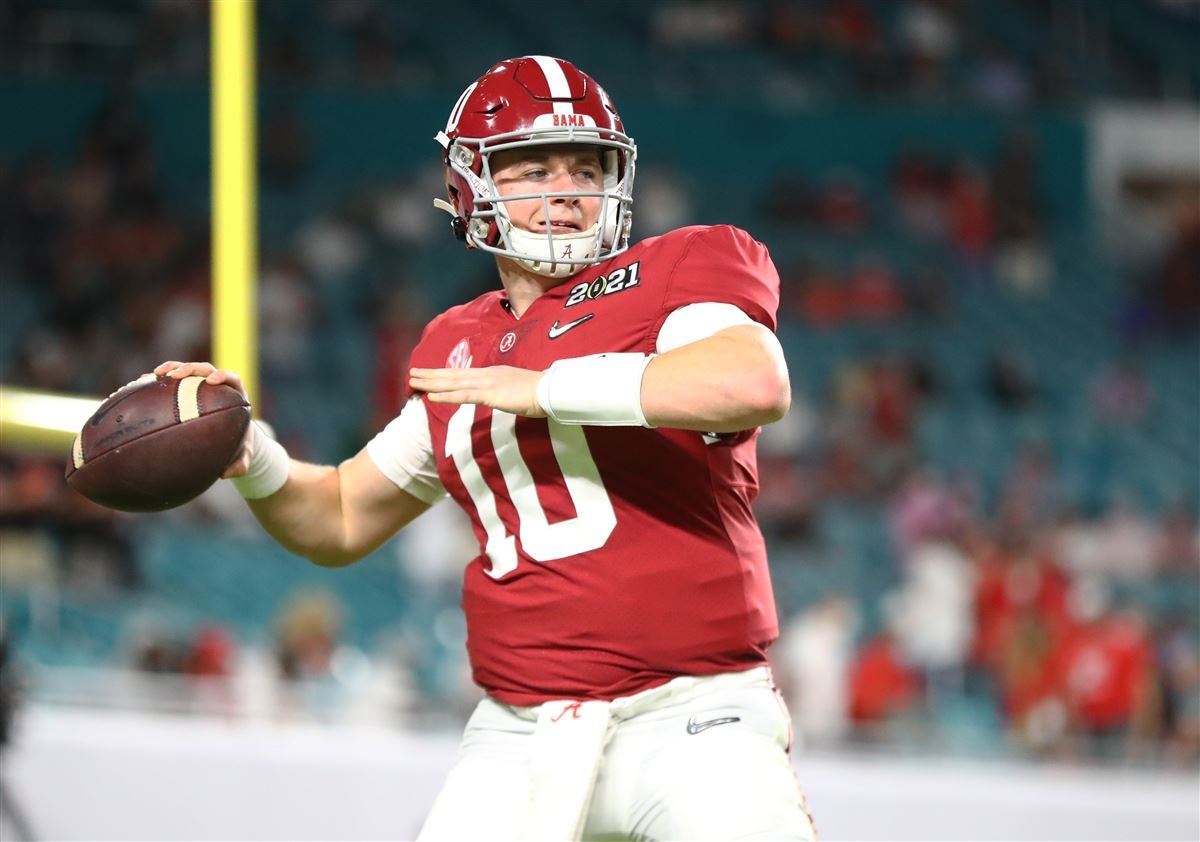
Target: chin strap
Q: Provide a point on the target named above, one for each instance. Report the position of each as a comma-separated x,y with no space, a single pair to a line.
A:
457,225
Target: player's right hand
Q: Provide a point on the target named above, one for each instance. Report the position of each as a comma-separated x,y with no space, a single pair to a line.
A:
173,368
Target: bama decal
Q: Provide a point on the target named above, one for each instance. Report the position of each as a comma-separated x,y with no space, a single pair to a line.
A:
615,281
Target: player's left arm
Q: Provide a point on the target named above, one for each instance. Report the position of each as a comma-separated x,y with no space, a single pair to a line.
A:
736,379
719,366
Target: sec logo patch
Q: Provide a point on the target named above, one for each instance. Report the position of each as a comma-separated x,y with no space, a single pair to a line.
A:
460,357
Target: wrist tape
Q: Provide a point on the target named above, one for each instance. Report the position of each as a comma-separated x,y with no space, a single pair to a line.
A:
603,390
269,465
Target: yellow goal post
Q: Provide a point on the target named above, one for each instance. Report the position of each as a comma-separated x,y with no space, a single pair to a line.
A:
45,422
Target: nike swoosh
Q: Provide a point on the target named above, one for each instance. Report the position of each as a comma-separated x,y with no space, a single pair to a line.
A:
694,727
557,330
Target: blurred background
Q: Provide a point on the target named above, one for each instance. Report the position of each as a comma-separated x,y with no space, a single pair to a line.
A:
981,510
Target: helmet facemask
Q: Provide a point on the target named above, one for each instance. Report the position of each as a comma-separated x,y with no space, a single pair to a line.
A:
488,225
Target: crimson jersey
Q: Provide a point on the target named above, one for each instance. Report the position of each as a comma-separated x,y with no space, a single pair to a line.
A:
613,559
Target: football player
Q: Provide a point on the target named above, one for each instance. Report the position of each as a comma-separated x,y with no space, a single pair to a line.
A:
595,417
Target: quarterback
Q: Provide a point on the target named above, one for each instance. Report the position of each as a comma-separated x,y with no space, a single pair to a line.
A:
595,417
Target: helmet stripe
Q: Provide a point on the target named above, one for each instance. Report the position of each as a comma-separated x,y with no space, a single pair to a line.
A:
560,88
456,112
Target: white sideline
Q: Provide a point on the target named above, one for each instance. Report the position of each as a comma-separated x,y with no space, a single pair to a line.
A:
105,775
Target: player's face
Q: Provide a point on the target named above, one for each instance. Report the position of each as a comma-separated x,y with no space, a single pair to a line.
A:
550,169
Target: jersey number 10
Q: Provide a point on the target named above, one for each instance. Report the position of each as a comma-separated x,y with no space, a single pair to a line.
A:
542,541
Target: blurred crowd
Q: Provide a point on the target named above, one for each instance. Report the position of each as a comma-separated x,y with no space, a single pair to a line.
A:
1032,619
1020,604
928,51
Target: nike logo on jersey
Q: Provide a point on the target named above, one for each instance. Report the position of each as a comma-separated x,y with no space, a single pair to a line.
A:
557,330
694,727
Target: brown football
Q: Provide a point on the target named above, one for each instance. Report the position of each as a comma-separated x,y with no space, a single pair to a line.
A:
158,443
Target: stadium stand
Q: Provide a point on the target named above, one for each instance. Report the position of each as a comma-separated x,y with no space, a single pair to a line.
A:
973,369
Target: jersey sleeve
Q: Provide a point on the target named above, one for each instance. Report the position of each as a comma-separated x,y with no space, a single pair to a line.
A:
403,452
725,265
694,322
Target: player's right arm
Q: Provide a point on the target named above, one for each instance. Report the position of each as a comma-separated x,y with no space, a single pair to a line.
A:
332,516
335,516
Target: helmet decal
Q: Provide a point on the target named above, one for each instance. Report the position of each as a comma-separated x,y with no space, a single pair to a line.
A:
456,112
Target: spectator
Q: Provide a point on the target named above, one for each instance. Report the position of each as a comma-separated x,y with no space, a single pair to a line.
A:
1034,714
1023,263
919,190
1179,284
893,404
676,24
850,26
972,220
400,212
813,656
1177,549
1178,673
211,654
1031,494
399,317
883,687
1014,180
1120,395
209,665
791,28
663,201
823,301
933,613
842,204
1009,380
1105,670
1126,542
331,247
928,295
308,633
999,80
1014,581
287,317
925,510
789,199
874,293
926,28
788,494
285,155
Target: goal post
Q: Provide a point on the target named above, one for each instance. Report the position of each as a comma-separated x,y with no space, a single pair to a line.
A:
46,422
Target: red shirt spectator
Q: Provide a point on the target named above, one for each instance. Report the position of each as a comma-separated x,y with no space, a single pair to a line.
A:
874,294
1102,671
211,653
971,214
881,683
824,302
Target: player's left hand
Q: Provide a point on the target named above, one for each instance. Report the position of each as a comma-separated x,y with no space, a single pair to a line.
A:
501,387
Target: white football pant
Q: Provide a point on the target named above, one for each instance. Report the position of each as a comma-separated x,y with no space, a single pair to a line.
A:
698,758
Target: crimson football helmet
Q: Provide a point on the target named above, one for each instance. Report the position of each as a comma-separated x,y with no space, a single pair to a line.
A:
535,101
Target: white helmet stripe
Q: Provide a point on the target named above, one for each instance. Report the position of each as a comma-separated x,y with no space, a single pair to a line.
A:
456,111
560,88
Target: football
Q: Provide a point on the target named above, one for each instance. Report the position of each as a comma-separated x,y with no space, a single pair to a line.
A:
156,444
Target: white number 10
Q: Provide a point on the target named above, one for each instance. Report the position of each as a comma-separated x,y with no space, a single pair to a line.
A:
594,518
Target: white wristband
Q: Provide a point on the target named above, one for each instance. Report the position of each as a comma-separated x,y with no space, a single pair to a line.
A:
269,465
604,390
